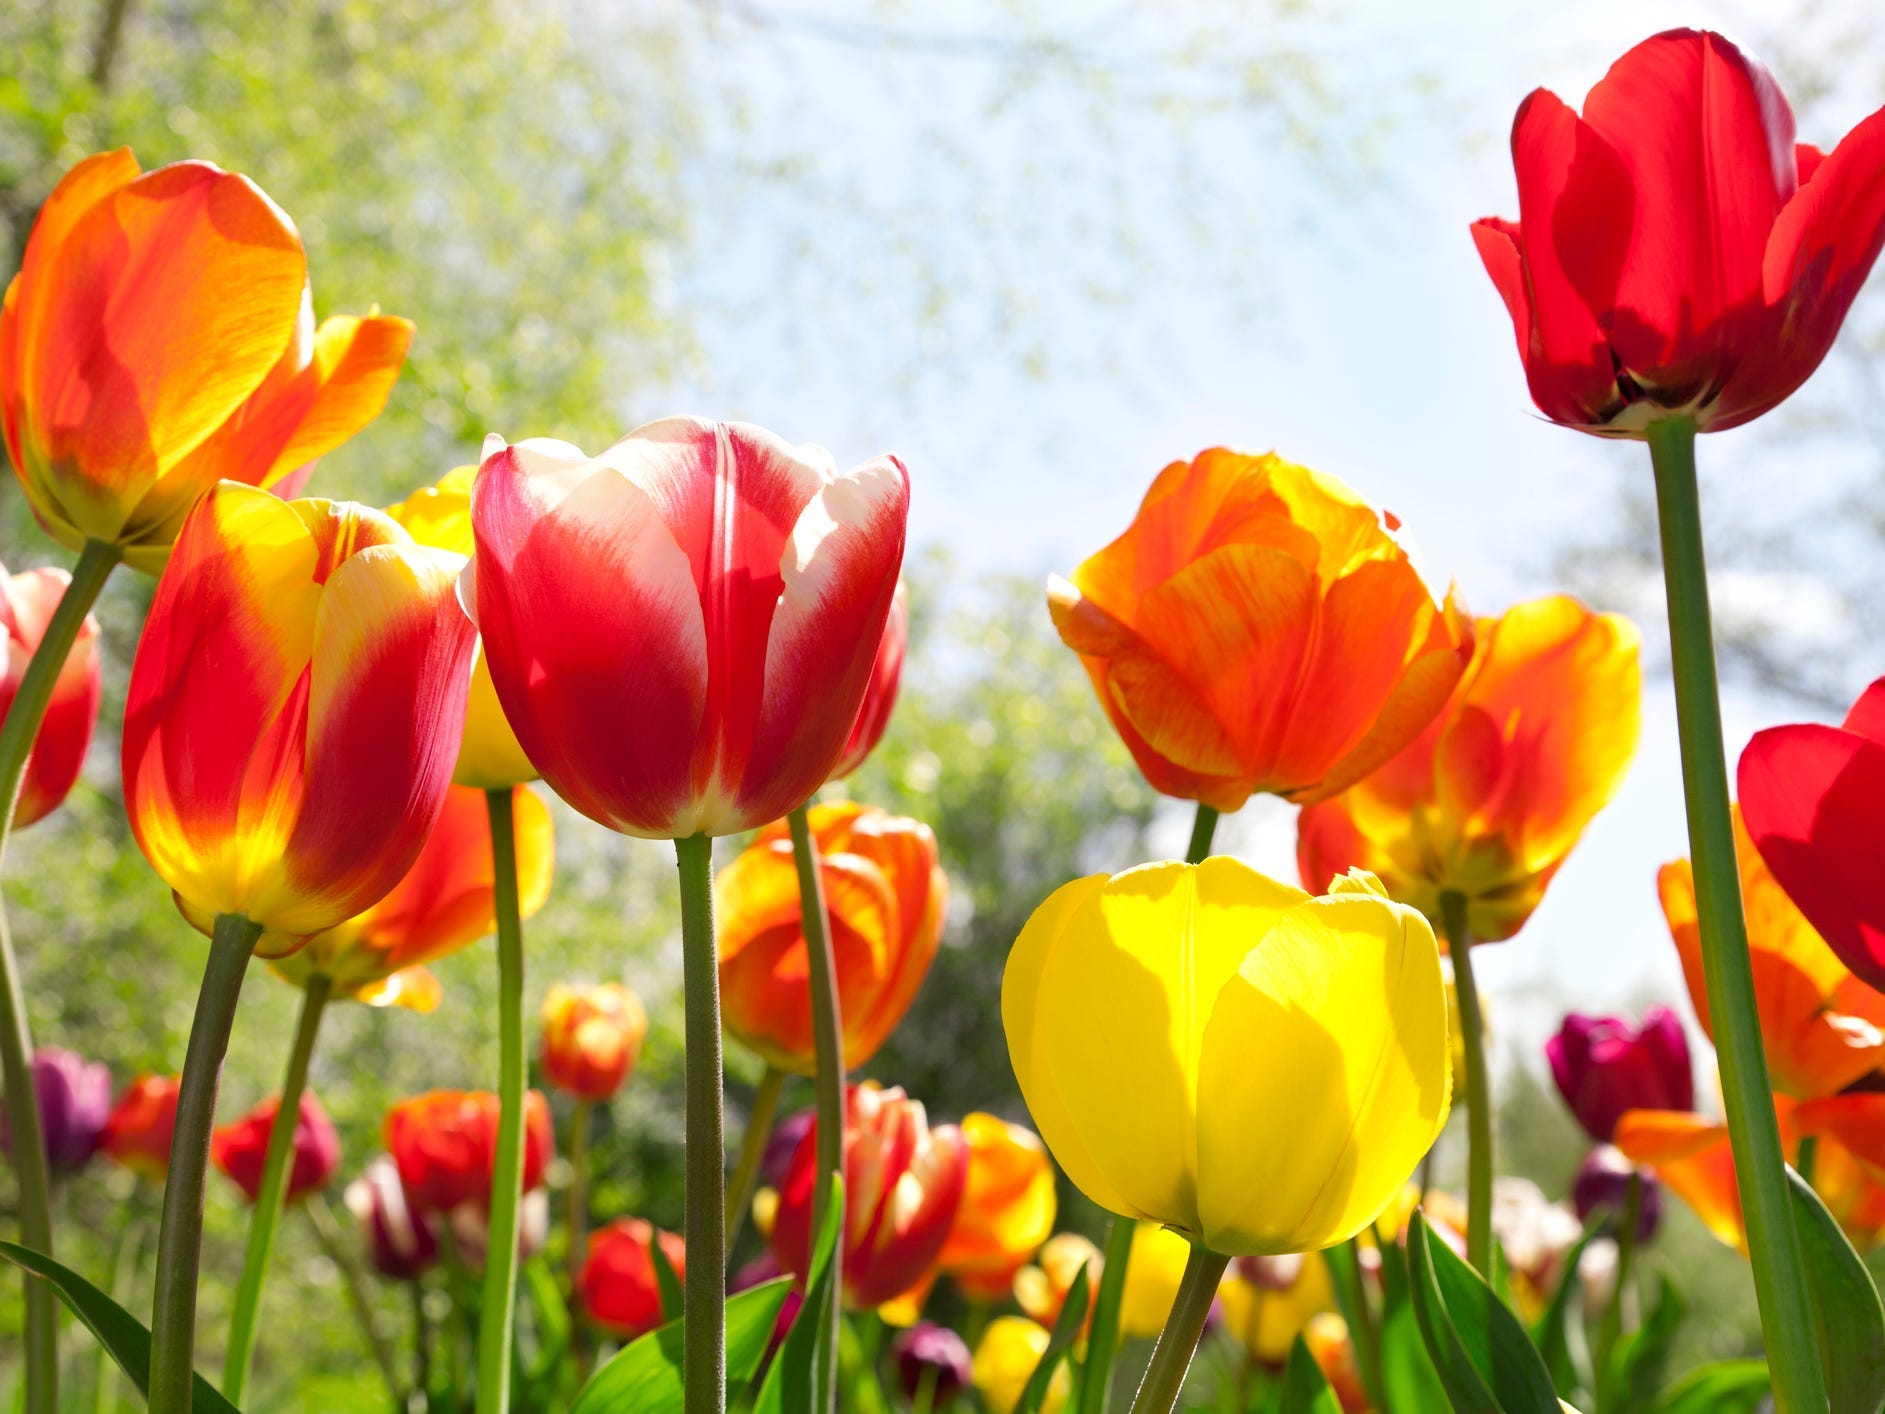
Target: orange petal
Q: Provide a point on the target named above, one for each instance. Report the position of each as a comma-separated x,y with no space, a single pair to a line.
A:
1692,1155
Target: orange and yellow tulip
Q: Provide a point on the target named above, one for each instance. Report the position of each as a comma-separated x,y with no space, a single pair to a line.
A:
1491,796
1259,628
1821,1026
27,601
294,710
1041,1288
138,1133
445,902
1005,1360
885,892
1007,1210
160,337
591,1038
1268,1301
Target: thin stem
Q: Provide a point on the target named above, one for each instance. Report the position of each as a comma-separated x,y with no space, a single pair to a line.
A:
1351,1296
1478,1085
19,727
576,1216
180,1239
1178,1342
925,1398
704,1296
123,1277
1096,1376
1773,1246
1203,830
338,1251
752,1150
1612,1328
1807,1157
828,1082
276,1167
507,1172
421,1341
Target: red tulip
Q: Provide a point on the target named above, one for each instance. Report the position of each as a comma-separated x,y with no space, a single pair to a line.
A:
398,1237
445,1144
27,601
617,1283
1813,800
139,1131
886,676
592,1038
240,1149
1677,253
682,629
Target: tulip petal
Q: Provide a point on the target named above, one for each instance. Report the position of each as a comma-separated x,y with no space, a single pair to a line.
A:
1498,242
1692,1155
1825,240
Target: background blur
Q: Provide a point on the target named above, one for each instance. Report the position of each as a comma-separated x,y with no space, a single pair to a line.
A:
1039,249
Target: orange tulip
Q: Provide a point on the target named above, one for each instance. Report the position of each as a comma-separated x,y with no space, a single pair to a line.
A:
445,1145
1041,1288
1822,1027
1259,628
27,601
294,710
160,337
444,903
139,1131
1007,1210
591,1038
1489,799
885,892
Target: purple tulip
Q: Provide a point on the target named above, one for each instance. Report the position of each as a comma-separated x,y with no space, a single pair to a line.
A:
1603,1067
1603,1185
74,1103
927,1346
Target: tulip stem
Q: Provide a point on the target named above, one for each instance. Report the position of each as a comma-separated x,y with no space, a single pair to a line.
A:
334,1246
576,1216
19,727
1806,1157
123,1277
752,1150
507,1171
1612,1328
1459,944
276,1169
1773,1245
1178,1342
180,1238
1351,1297
704,1297
828,1083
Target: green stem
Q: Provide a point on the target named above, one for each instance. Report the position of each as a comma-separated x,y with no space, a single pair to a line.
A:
752,1150
704,1296
1478,1086
925,1398
1203,829
828,1082
1178,1342
576,1215
335,1247
19,727
1351,1297
507,1173
1773,1246
1807,1157
123,1277
180,1239
1612,1328
276,1168
421,1345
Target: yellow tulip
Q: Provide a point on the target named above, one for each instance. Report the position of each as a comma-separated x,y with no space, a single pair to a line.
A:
1153,1270
1206,1048
1005,1358
1269,1301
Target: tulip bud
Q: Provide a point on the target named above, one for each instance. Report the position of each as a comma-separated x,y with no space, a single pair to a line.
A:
398,1237
932,1354
1604,1066
1602,1186
74,1106
1268,1301
445,1145
1005,1358
591,1038
1326,1335
139,1130
1535,1235
1041,1288
27,603
240,1150
618,1285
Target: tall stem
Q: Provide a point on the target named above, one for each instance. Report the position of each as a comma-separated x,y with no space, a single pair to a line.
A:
421,1345
507,1172
752,1150
576,1215
1612,1327
335,1247
1351,1297
1459,944
1773,1246
1178,1342
19,726
276,1166
1203,829
704,1297
180,1239
828,1083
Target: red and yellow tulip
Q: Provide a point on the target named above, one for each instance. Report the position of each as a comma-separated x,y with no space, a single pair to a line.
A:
139,1130
591,1038
27,601
1007,1210
445,1145
617,1285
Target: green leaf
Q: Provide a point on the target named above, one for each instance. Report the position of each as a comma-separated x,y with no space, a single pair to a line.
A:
1465,1390
1729,1387
1465,1322
666,1282
1406,1368
1060,1339
1636,1365
546,1368
646,1374
1305,1391
791,1374
121,1334
1551,1334
1846,1307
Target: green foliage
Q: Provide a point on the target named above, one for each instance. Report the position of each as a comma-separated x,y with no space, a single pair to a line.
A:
1305,1391
1846,1310
1484,1357
647,1375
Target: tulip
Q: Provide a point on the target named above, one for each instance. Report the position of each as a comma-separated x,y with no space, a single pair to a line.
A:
1005,1358
1007,1210
1259,628
470,1228
397,1236
238,1149
444,1143
1268,1301
1154,1271
1814,801
1488,800
1602,1186
1822,1027
881,696
139,1129
27,601
902,1183
1689,1153
1677,253
618,1286
1041,1288
1604,1066
930,1354
1326,1336
591,1038
74,1107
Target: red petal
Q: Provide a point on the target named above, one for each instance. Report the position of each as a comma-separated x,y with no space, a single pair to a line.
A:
1867,717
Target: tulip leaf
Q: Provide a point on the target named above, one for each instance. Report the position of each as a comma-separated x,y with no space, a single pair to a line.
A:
1073,1313
122,1335
1407,1370
1305,1389
666,1282
793,1371
1465,1390
1466,1324
646,1374
1846,1306
1636,1364
1551,1333
1728,1387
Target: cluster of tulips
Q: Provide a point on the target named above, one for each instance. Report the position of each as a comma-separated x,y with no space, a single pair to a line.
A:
335,713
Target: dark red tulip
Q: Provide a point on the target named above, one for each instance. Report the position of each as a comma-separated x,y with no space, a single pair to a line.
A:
398,1237
1603,1185
1605,1066
927,1346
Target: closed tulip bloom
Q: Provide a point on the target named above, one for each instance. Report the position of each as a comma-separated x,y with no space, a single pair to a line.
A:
1603,1066
445,1144
1210,1049
1813,797
1602,1186
618,1285
139,1130
1153,1271
591,1038
1490,798
160,337
885,894
1822,1027
27,601
1677,252
1269,1300
294,709
1005,1358
1007,1210
930,1354
1259,628
682,629
240,1149
902,1184
1041,1287
74,1106
397,1236
881,696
